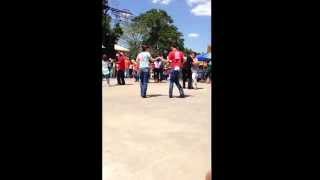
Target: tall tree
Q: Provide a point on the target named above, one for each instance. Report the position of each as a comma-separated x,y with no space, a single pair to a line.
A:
110,35
133,35
159,31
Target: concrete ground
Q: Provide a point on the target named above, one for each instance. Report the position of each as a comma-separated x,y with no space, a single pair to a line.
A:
156,138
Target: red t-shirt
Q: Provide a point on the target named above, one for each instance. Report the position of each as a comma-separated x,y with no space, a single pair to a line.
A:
177,59
121,63
127,63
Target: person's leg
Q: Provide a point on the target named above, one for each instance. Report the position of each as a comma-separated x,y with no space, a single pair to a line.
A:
190,80
108,80
183,79
122,78
195,79
171,79
137,76
160,75
141,82
176,80
155,75
103,77
145,84
118,77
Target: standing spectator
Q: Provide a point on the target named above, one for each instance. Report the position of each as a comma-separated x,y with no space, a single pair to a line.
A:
144,58
110,66
121,69
194,70
157,69
175,57
105,71
186,72
161,69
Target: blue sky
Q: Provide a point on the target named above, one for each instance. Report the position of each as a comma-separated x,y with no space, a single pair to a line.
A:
192,17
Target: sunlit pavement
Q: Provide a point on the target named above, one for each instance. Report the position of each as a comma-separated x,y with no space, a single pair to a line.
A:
156,138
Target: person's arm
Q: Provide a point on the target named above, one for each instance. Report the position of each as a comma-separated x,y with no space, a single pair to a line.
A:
151,59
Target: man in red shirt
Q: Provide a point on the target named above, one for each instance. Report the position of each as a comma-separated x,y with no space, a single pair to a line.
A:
121,69
175,57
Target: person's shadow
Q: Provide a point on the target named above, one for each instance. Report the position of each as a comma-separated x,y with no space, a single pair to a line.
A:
185,96
154,95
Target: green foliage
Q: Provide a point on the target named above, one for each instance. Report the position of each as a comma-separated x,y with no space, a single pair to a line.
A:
110,35
156,29
133,35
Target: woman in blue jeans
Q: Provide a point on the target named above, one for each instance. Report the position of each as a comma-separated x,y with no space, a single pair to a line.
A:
143,59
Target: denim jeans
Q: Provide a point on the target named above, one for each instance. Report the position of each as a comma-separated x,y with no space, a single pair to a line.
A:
174,78
144,78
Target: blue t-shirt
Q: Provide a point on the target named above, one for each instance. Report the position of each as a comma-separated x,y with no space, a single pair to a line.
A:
144,58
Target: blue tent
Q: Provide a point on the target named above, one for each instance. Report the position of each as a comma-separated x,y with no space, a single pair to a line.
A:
204,57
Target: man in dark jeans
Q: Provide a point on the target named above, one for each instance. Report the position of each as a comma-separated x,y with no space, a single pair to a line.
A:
121,69
175,57
144,58
186,72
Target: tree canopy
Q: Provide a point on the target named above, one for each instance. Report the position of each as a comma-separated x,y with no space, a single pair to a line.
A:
110,35
154,28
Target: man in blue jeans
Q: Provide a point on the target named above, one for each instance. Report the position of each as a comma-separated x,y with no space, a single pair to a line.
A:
176,59
143,59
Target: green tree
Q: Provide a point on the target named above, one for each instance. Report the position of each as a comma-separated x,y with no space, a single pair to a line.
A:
188,51
110,35
159,32
133,35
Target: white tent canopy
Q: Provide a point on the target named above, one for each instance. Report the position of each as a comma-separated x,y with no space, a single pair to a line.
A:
120,48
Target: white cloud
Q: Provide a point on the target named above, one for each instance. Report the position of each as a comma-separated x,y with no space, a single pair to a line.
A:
193,2
193,35
166,2
200,7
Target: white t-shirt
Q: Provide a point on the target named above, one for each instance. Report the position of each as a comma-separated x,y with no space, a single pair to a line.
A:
144,58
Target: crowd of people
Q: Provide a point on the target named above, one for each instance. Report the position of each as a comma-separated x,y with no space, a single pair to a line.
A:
173,68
